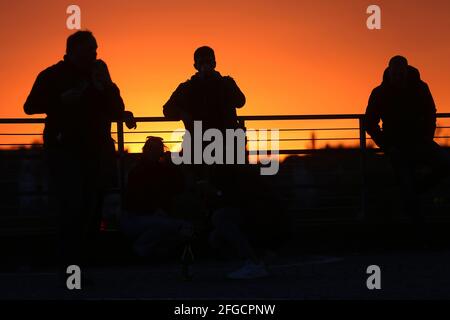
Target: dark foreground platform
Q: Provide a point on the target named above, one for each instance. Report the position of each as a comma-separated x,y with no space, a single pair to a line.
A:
419,274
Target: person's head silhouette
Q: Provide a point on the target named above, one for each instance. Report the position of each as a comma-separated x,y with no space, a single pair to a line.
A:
398,71
153,149
81,49
204,60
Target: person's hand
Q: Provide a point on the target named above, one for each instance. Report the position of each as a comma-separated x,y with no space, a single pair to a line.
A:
71,96
130,122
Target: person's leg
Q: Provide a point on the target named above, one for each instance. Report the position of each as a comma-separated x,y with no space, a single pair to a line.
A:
54,198
160,235
100,174
93,213
70,221
227,230
405,166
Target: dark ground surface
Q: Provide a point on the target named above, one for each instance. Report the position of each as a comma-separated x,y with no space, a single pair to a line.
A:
405,275
320,264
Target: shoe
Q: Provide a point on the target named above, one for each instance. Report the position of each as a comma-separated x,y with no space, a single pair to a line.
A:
249,270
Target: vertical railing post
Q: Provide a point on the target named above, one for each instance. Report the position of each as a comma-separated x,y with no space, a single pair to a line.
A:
363,149
121,150
242,126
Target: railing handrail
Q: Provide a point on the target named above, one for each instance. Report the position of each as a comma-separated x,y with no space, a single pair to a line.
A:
355,116
360,127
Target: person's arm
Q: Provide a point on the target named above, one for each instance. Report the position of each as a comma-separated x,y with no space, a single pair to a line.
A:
129,119
372,120
41,97
173,108
234,94
108,90
430,114
114,102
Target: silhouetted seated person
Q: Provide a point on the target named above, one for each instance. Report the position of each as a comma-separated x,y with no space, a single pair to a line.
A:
404,104
150,220
80,101
247,219
208,97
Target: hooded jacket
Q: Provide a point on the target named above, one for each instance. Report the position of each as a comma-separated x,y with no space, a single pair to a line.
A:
408,115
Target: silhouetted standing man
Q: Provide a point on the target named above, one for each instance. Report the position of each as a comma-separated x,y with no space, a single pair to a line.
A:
213,99
404,104
208,97
80,101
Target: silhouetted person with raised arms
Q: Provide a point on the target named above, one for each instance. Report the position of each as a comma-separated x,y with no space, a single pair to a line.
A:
80,101
208,97
213,99
404,104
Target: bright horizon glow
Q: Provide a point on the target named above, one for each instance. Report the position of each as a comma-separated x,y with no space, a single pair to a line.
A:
288,57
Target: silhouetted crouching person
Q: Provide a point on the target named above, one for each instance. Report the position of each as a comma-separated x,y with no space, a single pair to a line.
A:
152,186
404,104
80,101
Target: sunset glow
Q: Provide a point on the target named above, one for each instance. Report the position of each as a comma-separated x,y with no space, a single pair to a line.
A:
288,57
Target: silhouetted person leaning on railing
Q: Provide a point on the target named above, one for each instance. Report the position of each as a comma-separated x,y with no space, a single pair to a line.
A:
80,101
404,104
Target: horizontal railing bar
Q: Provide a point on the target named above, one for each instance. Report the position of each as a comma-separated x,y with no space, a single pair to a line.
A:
249,118
21,120
284,130
171,131
262,140
21,144
142,132
282,151
20,134
138,142
303,117
304,139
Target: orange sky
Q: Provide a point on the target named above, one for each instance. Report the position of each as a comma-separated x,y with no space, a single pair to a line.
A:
289,57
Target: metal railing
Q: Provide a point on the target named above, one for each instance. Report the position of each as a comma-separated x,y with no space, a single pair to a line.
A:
358,128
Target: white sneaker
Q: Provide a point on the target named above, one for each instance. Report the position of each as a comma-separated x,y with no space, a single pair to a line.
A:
249,270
